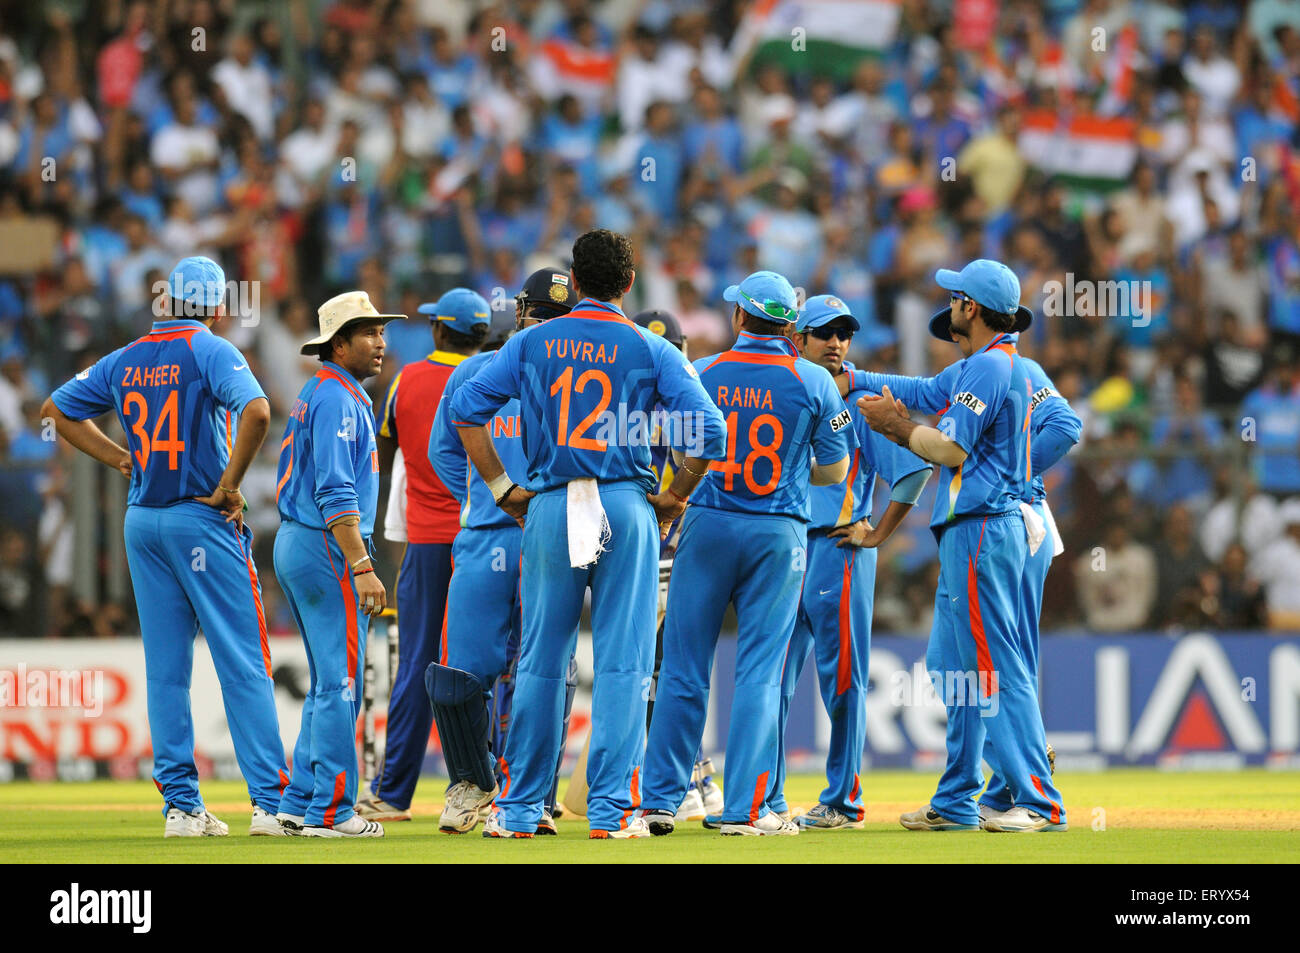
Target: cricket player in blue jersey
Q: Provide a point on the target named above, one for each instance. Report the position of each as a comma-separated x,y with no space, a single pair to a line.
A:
834,619
327,493
177,391
976,654
703,797
753,507
587,383
1056,429
479,646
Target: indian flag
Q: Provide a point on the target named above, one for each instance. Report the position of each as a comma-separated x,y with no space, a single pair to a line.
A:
1088,150
830,36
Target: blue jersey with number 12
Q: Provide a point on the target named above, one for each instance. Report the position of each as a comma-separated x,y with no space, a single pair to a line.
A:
176,391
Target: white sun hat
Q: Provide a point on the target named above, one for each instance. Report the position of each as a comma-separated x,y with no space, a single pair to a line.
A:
343,309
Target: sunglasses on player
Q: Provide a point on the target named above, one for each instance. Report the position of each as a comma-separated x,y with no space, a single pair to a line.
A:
958,296
826,332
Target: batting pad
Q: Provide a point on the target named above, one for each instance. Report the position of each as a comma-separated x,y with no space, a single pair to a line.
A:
462,719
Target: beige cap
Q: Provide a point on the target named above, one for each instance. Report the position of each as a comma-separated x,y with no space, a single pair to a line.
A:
342,309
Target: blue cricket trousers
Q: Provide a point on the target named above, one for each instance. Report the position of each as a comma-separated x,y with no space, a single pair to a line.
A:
1033,581
318,586
756,561
624,585
976,661
192,569
834,621
421,612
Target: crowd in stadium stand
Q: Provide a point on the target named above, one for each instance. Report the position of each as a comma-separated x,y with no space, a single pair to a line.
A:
407,147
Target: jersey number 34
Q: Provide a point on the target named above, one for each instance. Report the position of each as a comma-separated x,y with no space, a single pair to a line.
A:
136,409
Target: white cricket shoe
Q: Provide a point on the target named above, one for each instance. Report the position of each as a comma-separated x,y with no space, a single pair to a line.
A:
636,827
662,822
928,819
1020,820
182,824
373,809
354,826
712,795
495,827
464,806
291,823
692,808
768,825
546,826
265,824
823,817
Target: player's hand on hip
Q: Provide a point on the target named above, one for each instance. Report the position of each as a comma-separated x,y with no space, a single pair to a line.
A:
124,465
515,502
230,502
860,535
371,595
667,508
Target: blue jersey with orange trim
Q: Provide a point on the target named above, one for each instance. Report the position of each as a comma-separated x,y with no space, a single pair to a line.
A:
780,410
1055,428
988,417
588,384
432,510
329,464
850,501
176,391
478,510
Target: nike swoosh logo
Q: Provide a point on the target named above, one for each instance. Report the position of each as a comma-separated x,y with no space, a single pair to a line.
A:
824,592
344,434
240,367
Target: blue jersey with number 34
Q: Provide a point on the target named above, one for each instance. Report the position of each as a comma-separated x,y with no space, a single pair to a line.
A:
177,391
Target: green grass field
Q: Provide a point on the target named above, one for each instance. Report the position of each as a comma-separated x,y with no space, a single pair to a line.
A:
1118,817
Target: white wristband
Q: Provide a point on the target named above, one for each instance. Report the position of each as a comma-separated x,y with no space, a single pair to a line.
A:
500,486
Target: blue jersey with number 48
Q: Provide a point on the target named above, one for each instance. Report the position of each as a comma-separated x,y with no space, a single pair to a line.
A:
176,391
780,411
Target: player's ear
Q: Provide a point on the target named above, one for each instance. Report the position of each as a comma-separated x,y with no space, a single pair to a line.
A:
631,281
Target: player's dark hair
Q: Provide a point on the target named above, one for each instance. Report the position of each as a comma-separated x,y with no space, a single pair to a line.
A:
997,322
756,325
191,311
602,264
460,339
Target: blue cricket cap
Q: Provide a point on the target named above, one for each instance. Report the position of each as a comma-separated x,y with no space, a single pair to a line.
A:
198,281
991,284
767,295
460,309
823,309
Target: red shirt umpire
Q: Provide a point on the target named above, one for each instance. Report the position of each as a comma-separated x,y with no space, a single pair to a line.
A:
460,320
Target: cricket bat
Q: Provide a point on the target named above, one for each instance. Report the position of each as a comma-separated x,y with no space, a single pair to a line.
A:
575,798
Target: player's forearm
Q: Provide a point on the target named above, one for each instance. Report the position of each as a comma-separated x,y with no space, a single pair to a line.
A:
85,435
254,423
925,394
929,444
690,471
829,474
347,531
891,518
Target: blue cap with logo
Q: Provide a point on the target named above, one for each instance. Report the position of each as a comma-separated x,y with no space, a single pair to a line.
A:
460,309
198,281
989,283
823,309
767,295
